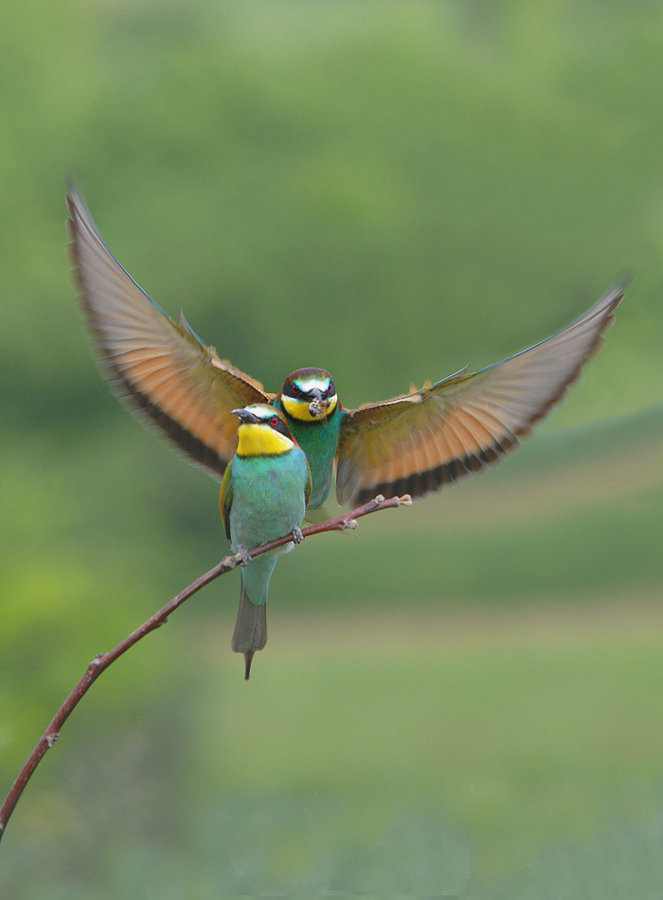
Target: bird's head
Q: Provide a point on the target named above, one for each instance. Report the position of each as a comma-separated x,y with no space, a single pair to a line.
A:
262,431
309,395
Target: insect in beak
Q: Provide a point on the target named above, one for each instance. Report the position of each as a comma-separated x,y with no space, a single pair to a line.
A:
318,407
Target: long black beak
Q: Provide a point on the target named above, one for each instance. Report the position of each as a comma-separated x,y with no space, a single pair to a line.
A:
245,415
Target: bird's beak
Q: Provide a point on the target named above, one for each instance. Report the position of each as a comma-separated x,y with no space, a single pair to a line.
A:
245,416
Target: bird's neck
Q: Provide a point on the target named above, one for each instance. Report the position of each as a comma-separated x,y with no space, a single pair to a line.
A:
259,440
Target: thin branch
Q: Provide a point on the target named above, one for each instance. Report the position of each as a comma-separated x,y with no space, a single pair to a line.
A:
101,662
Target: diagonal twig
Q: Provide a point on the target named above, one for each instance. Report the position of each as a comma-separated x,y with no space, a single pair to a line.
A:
101,662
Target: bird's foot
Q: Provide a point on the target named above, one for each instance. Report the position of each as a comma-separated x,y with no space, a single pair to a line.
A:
242,556
297,536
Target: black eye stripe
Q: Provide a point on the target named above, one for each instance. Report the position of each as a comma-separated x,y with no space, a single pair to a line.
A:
276,423
301,393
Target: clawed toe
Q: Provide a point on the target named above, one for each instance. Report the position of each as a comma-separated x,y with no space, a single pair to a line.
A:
243,554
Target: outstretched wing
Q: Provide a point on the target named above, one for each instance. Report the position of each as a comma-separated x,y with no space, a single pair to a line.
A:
416,443
159,368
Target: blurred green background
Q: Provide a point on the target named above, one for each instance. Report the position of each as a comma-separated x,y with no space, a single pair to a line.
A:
467,699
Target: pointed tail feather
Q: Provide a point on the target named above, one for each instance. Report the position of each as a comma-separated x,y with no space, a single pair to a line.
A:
250,630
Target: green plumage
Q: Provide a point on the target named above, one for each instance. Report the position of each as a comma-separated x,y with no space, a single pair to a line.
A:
319,440
263,497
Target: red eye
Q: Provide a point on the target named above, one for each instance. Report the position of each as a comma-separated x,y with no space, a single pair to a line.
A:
295,390
274,421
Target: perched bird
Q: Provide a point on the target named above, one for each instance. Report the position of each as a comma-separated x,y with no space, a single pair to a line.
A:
412,444
264,493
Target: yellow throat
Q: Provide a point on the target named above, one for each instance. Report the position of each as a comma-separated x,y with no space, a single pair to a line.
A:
261,440
299,409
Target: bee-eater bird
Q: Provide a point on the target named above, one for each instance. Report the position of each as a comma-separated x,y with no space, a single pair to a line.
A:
264,493
412,444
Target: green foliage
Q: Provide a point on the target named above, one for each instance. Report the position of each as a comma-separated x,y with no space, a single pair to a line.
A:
390,191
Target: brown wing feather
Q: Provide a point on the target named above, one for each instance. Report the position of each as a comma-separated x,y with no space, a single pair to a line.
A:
157,367
418,442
